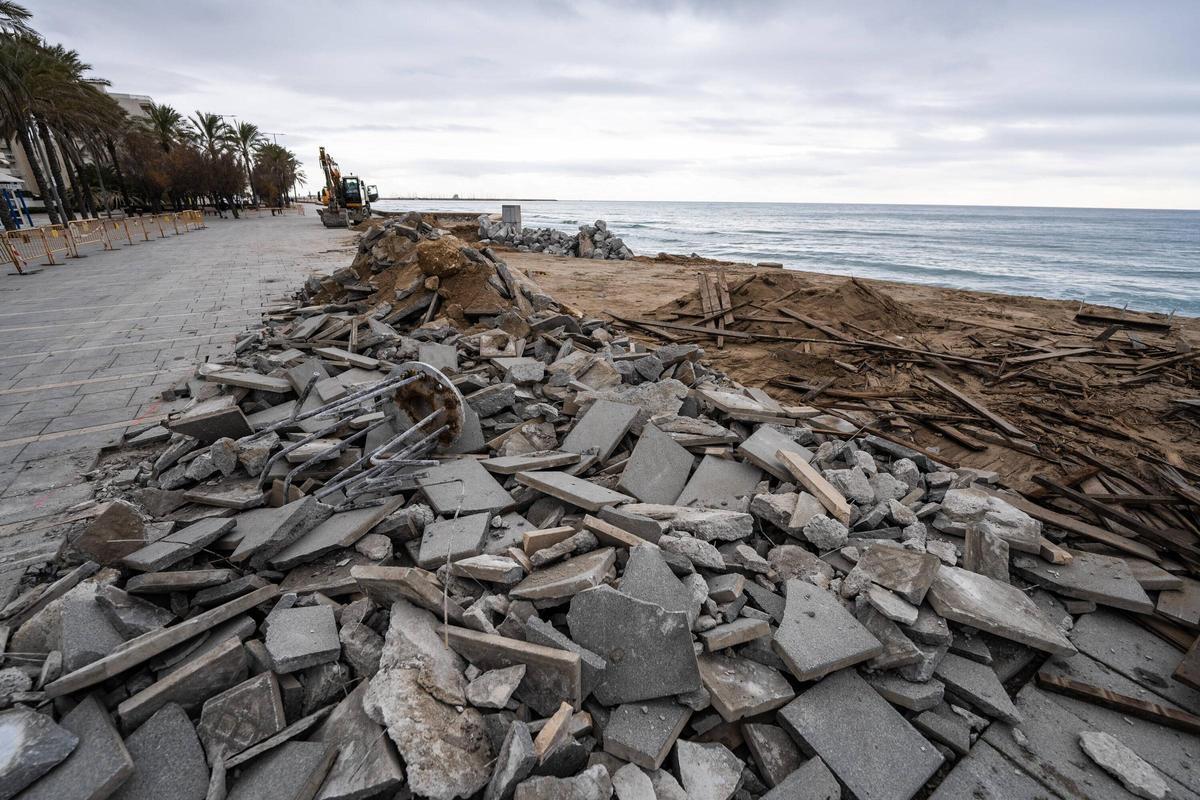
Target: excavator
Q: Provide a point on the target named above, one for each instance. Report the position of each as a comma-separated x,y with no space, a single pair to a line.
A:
344,200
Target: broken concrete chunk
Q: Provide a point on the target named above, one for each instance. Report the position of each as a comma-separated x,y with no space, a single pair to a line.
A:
178,545
600,429
720,483
550,675
962,508
540,632
494,688
168,760
570,489
87,635
1134,773
212,419
708,771
819,636
1089,576
977,685
366,763
449,540
647,577
241,716
302,637
810,781
706,524
263,532
742,688
907,694
513,764
463,486
340,530
591,784
129,615
648,650
644,732
871,748
997,608
291,770
96,767
904,571
774,752
658,468
33,745
567,578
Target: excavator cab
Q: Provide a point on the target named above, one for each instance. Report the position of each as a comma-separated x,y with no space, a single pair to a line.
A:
346,200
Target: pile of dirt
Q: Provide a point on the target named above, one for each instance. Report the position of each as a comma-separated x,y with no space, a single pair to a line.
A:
857,301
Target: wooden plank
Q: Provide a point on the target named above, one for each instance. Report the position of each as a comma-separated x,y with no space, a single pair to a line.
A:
808,477
678,326
1081,528
608,534
723,298
1050,356
532,541
1140,323
147,646
1153,712
976,406
816,324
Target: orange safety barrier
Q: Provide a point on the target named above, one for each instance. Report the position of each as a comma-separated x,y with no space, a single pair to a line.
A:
89,231
139,223
59,240
10,255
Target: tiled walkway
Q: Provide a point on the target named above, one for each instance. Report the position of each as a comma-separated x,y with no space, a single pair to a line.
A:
87,347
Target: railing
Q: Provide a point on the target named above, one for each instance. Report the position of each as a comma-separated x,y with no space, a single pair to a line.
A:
88,231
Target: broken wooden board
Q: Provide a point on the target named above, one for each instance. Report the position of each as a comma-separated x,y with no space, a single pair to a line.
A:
808,477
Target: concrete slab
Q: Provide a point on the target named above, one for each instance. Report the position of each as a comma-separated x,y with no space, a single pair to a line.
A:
198,679
811,781
263,532
367,763
818,635
292,770
907,694
552,675
600,429
658,468
168,760
241,716
904,571
977,685
643,733
871,748
298,638
647,577
648,650
762,446
97,766
34,746
720,483
774,752
449,540
463,486
340,530
178,545
570,489
540,632
985,774
997,608
1090,576
742,688
567,578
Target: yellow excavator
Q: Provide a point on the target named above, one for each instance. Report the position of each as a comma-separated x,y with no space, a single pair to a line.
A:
345,200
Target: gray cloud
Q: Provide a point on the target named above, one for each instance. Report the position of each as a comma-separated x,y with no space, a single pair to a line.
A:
888,100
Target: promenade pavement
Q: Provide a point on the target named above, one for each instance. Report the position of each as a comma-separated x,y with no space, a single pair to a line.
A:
88,346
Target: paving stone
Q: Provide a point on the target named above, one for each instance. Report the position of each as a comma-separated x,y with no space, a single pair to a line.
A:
463,486
529,462
551,676
811,781
898,650
570,489
131,616
450,540
292,771
774,752
742,688
238,495
193,682
891,605
87,635
637,524
263,532
907,694
648,650
871,748
367,763
818,635
720,483
647,577
514,762
241,716
177,581
33,745
708,771
298,638
657,469
984,774
1090,576
97,766
600,429
540,632
906,572
178,545
997,608
644,732
439,356
762,446
567,578
1181,605
339,531
168,760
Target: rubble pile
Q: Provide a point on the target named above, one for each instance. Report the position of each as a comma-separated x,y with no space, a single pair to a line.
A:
432,535
592,241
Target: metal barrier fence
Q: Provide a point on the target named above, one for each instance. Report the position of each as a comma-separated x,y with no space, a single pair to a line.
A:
89,231
41,244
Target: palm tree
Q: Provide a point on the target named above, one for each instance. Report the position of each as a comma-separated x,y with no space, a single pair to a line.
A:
246,139
13,20
166,125
24,73
211,132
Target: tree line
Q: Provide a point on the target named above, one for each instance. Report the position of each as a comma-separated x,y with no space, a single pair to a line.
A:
74,133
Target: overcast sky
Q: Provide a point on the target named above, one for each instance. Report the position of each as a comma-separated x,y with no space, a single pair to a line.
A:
1044,103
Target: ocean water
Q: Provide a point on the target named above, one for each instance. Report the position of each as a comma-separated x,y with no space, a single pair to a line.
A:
1148,260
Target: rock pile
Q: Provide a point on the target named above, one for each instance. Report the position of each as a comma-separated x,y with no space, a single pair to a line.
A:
592,241
549,563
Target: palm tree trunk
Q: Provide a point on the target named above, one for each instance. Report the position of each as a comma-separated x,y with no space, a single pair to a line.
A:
55,169
112,154
5,216
83,187
49,195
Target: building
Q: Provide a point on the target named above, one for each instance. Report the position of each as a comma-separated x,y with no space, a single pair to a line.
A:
14,161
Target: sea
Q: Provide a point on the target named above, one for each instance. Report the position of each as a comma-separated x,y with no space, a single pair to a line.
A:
1145,260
